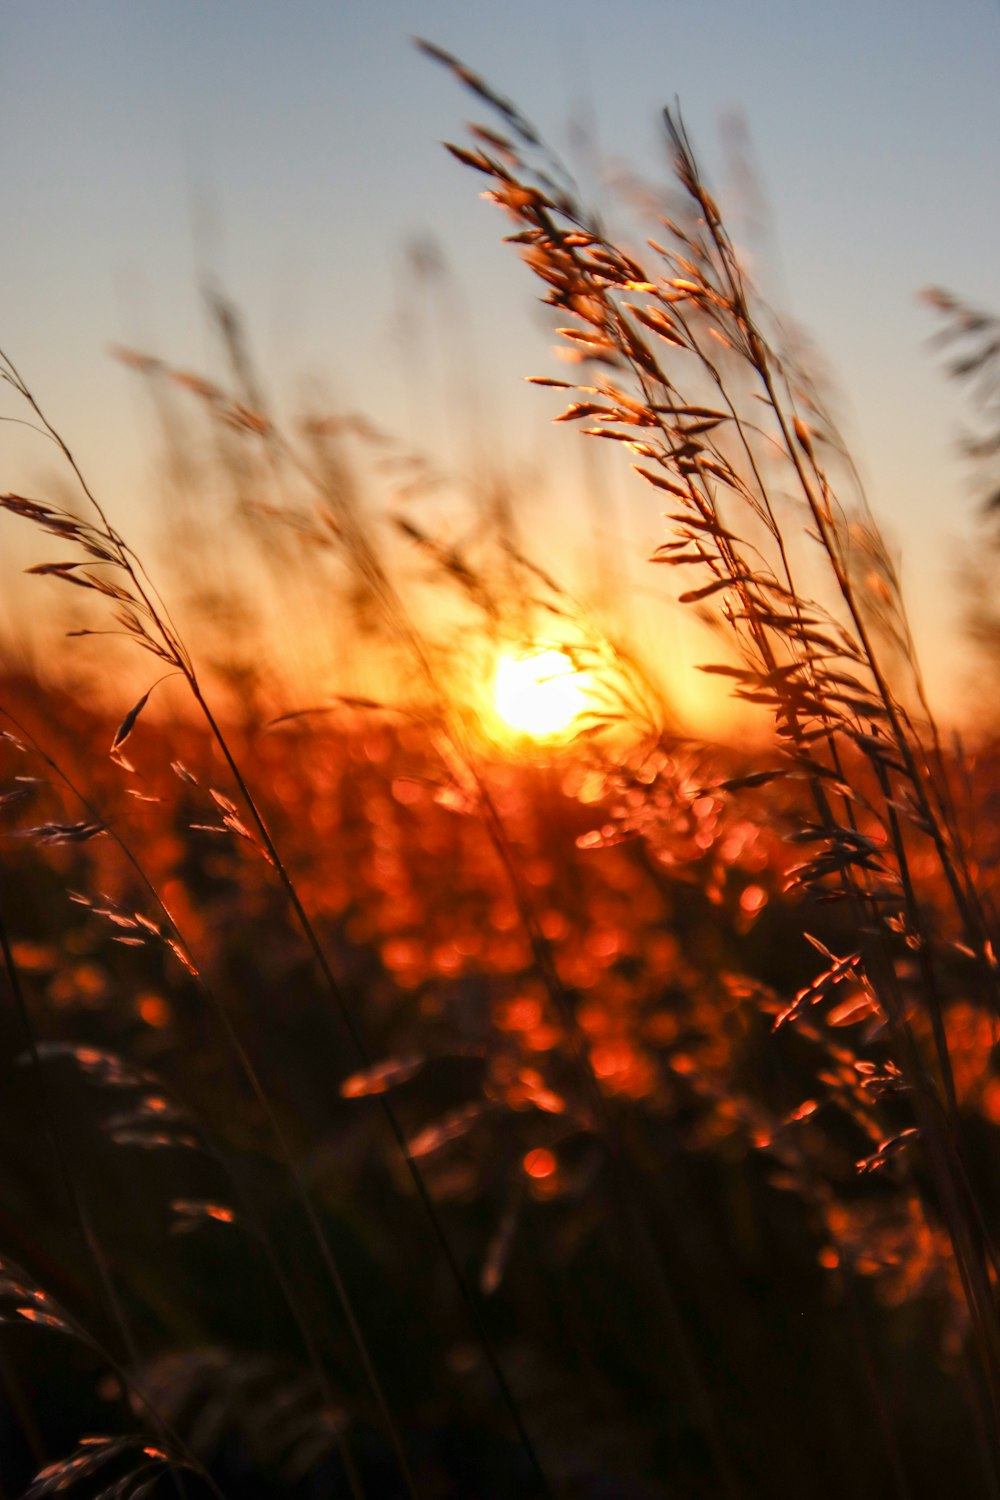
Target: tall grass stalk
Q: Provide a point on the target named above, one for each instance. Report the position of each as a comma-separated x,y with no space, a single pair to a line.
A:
642,700
645,703
145,620
679,352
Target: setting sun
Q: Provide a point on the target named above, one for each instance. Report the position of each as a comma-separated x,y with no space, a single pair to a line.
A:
539,692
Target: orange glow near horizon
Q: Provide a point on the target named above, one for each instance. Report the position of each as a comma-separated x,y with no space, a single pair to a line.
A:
539,692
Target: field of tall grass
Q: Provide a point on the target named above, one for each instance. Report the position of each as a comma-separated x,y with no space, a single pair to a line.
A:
429,1067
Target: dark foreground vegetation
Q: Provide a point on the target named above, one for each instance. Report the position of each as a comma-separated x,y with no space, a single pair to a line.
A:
697,1274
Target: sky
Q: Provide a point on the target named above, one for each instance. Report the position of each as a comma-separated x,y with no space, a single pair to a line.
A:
296,149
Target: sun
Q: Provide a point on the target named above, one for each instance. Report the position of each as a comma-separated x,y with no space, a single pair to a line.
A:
539,692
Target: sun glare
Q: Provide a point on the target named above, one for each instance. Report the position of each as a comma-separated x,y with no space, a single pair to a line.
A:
539,692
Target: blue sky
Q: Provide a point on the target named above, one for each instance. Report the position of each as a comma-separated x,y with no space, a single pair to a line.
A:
312,131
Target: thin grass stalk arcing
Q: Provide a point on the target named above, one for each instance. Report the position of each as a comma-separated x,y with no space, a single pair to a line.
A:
642,700
144,620
645,704
670,339
461,754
